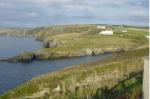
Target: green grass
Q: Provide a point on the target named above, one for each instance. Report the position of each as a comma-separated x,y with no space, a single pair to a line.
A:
79,82
81,40
130,88
91,41
136,35
76,41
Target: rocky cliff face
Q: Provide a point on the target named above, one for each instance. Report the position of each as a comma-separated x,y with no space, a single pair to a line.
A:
51,43
25,57
45,55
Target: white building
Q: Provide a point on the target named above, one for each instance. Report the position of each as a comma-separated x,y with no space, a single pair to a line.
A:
107,32
101,27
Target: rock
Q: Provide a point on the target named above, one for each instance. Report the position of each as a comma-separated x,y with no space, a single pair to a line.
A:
86,51
42,54
51,43
97,51
25,57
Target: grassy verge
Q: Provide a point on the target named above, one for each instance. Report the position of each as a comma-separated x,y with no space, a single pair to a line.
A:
130,88
117,74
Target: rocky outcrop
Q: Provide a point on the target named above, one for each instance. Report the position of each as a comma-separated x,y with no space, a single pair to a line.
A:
47,55
25,57
51,43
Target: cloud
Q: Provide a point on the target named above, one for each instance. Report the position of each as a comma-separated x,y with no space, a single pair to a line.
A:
45,12
32,14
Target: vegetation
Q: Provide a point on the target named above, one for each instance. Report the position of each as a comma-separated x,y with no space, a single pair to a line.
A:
80,40
130,88
118,77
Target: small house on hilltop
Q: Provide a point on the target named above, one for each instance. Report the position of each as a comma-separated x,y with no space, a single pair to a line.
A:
107,32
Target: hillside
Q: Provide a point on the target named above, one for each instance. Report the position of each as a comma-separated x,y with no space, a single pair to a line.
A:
81,40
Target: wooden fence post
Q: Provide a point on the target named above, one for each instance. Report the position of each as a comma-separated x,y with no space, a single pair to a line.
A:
146,78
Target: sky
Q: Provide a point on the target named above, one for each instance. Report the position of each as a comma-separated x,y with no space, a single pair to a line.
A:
35,13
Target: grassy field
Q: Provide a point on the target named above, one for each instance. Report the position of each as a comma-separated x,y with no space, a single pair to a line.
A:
116,77
80,40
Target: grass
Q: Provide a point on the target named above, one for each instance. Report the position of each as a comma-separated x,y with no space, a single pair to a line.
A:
81,40
91,41
76,40
81,44
100,79
88,80
130,88
137,35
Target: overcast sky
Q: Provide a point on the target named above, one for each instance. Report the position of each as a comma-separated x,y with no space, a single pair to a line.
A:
26,13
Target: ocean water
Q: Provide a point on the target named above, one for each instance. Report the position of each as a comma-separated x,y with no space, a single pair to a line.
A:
14,74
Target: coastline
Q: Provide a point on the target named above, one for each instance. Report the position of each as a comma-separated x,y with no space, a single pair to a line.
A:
129,57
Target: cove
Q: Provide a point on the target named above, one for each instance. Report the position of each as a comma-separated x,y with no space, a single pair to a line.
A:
14,74
12,46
